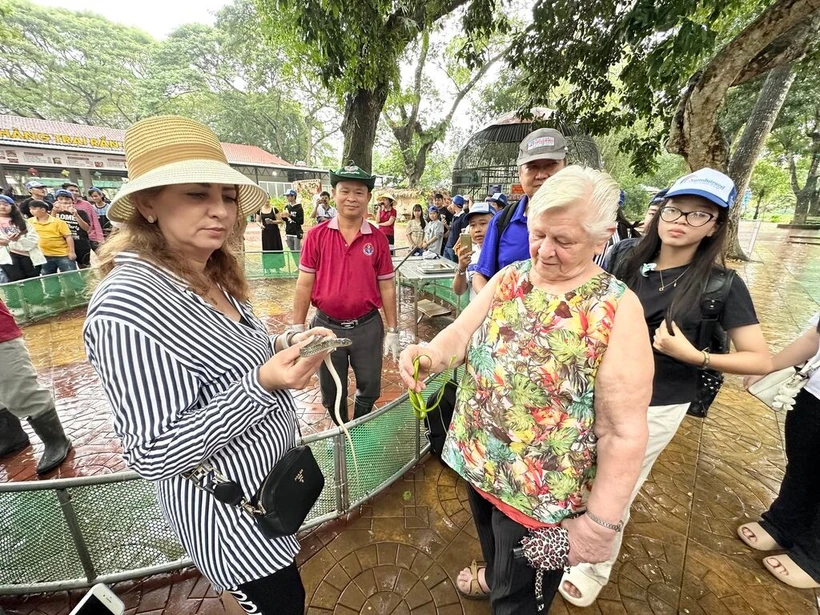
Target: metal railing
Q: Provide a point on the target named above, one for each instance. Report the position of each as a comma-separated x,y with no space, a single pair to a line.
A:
74,532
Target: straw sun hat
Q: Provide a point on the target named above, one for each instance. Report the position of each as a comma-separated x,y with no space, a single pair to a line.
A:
169,149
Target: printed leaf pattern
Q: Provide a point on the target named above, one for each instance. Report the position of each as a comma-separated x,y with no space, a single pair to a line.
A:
522,430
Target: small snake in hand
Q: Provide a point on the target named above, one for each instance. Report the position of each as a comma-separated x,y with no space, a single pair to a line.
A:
322,344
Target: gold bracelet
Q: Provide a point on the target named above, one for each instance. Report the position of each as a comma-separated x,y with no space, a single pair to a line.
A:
706,359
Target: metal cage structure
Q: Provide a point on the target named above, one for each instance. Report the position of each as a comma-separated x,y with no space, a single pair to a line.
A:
487,160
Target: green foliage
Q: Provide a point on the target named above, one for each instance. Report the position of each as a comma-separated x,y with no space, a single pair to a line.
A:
79,67
194,72
771,188
71,66
654,47
638,188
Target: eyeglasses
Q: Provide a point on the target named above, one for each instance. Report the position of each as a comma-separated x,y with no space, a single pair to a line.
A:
693,218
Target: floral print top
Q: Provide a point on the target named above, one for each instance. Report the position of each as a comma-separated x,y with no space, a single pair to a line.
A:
522,430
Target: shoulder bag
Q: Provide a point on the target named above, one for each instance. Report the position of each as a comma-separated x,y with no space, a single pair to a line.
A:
778,389
283,501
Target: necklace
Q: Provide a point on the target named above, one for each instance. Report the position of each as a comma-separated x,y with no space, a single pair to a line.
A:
673,283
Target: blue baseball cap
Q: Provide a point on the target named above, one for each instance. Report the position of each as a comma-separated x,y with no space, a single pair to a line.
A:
659,197
498,197
480,208
6,199
290,193
712,185
93,189
59,193
432,209
34,184
459,200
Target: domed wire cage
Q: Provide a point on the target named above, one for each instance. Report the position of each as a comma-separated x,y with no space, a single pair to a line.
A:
486,163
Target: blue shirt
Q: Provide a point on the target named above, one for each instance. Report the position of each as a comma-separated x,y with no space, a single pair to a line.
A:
459,224
513,244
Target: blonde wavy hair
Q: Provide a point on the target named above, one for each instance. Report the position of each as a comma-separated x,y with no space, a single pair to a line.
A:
223,268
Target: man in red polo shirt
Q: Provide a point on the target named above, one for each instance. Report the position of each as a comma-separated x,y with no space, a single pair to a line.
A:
346,272
22,396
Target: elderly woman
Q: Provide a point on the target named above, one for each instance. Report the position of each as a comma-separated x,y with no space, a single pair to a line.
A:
558,378
192,376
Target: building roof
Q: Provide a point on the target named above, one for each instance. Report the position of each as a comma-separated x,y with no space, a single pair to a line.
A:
46,133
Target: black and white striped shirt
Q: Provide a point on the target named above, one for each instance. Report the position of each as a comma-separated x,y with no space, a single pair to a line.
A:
182,380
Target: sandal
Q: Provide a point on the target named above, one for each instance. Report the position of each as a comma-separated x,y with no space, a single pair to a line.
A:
475,592
790,573
763,541
588,587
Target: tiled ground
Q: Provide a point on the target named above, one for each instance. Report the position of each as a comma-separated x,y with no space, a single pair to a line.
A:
401,552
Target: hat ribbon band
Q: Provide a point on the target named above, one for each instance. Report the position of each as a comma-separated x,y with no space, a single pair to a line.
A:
156,157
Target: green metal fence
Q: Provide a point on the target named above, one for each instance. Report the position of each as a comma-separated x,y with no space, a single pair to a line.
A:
47,296
71,533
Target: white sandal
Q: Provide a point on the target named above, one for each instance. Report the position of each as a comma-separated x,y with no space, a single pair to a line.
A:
588,587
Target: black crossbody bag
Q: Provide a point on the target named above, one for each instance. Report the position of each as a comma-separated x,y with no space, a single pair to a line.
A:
285,498
711,335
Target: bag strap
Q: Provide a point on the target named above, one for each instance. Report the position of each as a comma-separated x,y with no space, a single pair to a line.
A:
807,371
712,302
502,221
616,259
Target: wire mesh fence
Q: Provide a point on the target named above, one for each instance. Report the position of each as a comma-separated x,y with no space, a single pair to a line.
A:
82,530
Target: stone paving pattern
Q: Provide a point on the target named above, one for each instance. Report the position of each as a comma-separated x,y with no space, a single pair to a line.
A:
400,553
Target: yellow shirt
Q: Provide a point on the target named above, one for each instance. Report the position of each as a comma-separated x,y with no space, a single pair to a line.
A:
52,234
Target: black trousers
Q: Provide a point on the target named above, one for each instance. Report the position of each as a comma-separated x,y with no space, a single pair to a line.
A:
21,268
364,357
82,248
281,593
793,519
511,581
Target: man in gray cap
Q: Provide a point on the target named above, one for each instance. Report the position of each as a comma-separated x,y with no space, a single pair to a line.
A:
541,155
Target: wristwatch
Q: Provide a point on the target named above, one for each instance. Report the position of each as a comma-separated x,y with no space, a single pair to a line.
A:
391,329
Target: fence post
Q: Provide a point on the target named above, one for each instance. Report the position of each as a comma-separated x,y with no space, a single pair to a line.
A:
70,515
340,467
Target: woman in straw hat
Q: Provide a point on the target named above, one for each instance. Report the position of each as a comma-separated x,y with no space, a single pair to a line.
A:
190,371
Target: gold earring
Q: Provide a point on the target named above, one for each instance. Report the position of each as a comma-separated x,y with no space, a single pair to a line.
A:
150,219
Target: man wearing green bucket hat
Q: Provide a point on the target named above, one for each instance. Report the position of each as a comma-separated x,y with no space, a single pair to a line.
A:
346,272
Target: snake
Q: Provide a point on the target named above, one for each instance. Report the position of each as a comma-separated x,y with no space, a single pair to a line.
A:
318,345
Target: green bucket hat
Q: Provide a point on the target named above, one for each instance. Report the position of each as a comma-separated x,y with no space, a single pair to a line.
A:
352,173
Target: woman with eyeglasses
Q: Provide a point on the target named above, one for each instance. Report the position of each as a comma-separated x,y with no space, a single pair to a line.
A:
669,268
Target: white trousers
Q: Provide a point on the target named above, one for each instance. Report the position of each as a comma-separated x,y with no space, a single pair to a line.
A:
663,423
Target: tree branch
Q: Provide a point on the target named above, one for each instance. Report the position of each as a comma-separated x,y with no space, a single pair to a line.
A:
695,133
788,48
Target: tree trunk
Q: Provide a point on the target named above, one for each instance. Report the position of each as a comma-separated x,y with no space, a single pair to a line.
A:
757,206
769,101
801,210
362,111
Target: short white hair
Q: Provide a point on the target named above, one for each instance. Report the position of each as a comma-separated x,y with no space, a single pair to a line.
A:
597,192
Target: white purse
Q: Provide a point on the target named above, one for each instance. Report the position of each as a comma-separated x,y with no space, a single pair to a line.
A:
778,389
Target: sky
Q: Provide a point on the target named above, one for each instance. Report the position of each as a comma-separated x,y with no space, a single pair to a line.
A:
157,17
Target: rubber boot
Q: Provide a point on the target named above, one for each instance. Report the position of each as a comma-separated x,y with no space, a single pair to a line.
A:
48,428
12,436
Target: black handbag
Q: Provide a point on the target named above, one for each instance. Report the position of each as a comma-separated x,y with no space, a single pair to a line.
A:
712,337
283,501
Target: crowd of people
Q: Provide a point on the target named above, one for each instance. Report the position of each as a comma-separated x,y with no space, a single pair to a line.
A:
583,346
50,232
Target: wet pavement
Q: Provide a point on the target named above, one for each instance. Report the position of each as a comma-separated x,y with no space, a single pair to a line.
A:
402,551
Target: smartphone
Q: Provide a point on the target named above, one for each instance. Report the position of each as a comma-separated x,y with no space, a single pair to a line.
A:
466,241
99,601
